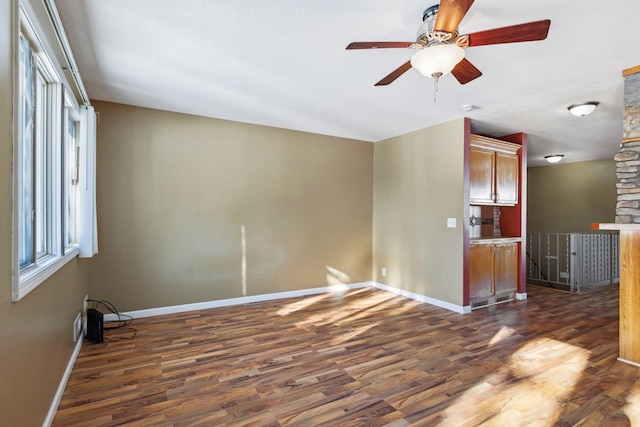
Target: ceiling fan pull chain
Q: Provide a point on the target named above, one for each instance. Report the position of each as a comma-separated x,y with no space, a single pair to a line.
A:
436,77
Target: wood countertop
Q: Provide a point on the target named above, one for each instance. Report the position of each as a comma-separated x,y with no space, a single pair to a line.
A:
615,227
493,240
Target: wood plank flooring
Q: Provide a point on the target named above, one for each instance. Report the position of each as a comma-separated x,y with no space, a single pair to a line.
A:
364,358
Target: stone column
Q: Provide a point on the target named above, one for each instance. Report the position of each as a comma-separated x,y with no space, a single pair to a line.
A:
628,158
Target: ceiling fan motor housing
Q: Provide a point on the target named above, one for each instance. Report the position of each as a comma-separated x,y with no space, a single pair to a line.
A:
428,22
427,36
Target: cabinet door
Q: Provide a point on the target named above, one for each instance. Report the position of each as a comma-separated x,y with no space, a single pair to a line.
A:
506,191
506,267
481,176
481,265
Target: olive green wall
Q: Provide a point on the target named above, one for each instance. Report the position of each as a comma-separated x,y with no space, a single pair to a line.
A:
35,333
184,200
418,184
569,197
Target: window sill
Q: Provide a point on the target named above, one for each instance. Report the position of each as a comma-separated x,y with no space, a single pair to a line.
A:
31,278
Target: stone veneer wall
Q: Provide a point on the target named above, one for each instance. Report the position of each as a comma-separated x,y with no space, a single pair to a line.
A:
631,119
628,158
628,172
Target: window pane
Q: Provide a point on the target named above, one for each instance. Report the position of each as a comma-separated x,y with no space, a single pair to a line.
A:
70,179
41,169
26,153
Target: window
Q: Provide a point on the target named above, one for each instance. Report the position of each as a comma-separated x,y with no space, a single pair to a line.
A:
36,157
47,154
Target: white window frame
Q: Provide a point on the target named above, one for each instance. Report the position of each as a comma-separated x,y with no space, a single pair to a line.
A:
71,173
55,253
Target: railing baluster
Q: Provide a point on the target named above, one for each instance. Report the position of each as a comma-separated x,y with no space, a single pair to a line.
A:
585,262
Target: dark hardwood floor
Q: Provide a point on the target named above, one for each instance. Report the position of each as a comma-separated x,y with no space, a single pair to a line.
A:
365,358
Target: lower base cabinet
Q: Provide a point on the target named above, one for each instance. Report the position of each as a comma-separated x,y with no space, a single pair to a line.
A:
493,272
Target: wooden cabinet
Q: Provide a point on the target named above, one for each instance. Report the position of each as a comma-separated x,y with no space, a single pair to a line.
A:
481,271
493,273
506,267
495,170
493,177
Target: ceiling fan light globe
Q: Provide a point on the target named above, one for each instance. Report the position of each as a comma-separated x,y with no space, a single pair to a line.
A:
437,60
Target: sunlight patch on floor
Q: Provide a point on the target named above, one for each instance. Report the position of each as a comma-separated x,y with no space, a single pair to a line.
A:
301,304
355,318
632,408
504,333
542,373
353,333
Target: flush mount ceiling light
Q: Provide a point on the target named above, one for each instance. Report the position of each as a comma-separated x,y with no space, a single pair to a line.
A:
554,158
583,108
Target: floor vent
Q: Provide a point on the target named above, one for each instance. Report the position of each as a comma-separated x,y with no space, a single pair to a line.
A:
493,300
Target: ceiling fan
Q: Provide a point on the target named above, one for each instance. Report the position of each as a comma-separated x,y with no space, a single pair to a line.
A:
441,48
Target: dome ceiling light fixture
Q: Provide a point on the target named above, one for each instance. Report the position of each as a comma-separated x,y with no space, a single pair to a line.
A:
438,60
583,108
554,158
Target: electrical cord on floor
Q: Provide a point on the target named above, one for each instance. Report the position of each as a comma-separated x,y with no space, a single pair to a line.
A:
123,319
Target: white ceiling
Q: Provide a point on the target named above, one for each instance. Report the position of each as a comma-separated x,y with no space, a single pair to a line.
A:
283,63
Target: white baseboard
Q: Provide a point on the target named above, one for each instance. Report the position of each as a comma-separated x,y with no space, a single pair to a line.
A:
438,303
63,383
628,361
137,314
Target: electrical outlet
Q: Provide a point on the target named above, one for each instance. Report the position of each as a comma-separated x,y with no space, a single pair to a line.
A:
451,222
383,271
77,327
85,304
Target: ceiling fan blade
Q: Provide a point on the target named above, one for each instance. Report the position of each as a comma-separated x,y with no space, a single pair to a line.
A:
531,31
465,71
378,45
450,13
395,74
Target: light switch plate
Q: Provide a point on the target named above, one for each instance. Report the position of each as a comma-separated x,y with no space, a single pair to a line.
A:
451,222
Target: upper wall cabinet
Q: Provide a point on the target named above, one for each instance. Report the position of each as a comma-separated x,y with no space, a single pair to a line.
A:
493,178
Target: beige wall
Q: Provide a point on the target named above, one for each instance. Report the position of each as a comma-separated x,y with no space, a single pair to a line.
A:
418,184
567,198
36,332
175,193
